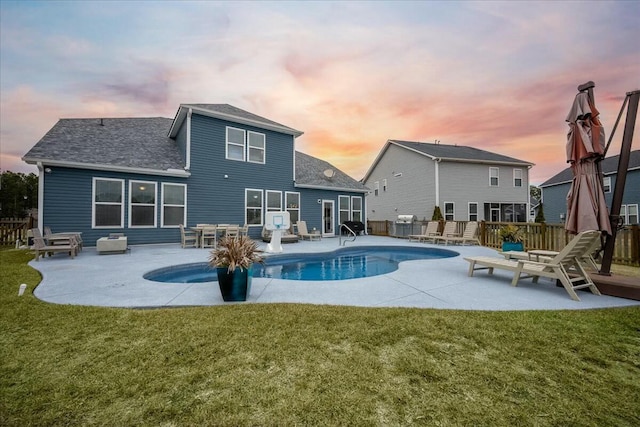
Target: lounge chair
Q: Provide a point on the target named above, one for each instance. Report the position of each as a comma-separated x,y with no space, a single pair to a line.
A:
62,238
428,232
545,256
565,267
188,238
287,236
469,235
41,248
304,233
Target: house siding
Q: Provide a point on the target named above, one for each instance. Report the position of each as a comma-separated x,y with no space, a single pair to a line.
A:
554,197
410,194
68,198
462,183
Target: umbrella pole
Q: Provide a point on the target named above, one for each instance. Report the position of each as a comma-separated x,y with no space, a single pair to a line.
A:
621,177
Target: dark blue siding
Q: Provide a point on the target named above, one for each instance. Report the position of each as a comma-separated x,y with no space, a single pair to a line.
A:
181,140
554,197
68,204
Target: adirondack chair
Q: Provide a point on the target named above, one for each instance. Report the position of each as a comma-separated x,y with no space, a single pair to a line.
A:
41,248
304,233
565,267
428,232
469,235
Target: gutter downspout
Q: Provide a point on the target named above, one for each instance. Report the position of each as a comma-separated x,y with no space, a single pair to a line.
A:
437,180
187,165
40,196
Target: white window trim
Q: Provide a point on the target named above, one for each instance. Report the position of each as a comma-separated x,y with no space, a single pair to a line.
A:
376,188
163,205
93,203
287,208
262,207
348,210
155,203
606,181
279,193
444,212
497,177
624,213
515,177
244,144
263,148
469,211
353,210
384,184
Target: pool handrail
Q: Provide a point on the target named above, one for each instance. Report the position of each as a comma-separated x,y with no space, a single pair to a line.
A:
350,231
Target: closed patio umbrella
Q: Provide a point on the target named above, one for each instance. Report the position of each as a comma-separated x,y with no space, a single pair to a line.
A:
586,205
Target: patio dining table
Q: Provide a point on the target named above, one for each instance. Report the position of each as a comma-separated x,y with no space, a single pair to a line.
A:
220,228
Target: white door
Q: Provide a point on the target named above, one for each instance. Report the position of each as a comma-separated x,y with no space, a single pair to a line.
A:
328,218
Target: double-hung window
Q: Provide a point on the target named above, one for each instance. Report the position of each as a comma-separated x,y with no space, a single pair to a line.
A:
256,147
517,177
253,206
629,214
245,145
606,182
494,173
235,144
292,205
344,208
356,208
274,201
108,207
384,184
376,188
174,204
449,213
473,211
142,204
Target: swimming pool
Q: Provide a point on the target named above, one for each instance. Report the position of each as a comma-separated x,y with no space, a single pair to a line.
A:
341,264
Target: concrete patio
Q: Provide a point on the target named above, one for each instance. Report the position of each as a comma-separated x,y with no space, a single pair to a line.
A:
116,281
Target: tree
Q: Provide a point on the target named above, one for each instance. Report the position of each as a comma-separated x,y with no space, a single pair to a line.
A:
18,194
437,215
540,215
535,192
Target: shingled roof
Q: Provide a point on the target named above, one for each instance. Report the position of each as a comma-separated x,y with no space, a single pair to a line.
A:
231,113
609,166
137,143
457,152
310,173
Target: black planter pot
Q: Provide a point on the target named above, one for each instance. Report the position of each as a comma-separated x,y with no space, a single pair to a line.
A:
235,286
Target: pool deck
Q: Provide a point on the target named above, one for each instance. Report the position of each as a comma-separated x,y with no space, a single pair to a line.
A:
116,281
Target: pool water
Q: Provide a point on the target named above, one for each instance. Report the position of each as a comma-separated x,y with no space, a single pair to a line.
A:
342,264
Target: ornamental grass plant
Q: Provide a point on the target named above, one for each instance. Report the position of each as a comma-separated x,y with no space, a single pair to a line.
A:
297,364
235,252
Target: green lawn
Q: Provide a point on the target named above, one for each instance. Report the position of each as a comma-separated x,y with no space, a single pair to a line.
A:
293,364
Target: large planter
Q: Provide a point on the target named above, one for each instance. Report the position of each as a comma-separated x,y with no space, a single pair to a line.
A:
235,286
512,246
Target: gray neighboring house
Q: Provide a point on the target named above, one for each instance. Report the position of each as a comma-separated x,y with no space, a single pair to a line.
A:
211,163
411,178
556,188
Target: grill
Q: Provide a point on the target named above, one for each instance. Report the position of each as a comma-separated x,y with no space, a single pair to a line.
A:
356,226
404,225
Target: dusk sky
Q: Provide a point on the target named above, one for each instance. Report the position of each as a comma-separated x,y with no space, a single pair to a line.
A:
499,76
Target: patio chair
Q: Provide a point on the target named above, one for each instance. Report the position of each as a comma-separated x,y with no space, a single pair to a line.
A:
565,267
188,238
428,232
62,238
232,231
209,236
469,235
244,230
304,233
41,248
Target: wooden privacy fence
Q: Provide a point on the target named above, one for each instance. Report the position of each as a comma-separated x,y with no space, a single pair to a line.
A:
13,229
552,237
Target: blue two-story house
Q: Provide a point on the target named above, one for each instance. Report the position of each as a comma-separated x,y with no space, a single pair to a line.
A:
211,163
556,188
